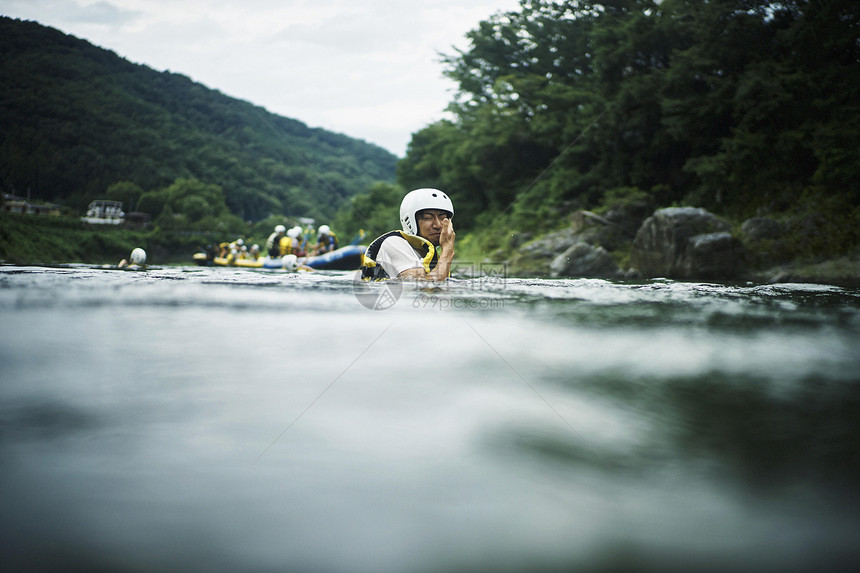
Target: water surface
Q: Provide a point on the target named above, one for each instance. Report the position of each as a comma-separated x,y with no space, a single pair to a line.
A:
208,418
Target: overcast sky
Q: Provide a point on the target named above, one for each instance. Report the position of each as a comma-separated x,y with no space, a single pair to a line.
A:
366,68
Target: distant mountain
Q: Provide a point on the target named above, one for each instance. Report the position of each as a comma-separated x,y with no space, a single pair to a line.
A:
76,118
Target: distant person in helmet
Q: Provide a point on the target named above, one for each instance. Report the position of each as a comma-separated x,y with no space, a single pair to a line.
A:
424,249
289,244
295,245
292,263
326,241
136,260
273,243
234,251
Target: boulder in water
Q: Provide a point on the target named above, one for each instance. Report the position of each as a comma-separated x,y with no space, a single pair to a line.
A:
687,243
582,260
761,228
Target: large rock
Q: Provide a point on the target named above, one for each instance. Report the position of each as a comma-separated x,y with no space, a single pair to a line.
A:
615,229
629,216
761,228
686,243
582,260
766,243
534,257
712,256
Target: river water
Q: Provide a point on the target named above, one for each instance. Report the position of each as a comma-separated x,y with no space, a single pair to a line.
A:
220,419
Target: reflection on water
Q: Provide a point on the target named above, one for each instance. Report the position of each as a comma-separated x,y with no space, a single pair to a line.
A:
199,419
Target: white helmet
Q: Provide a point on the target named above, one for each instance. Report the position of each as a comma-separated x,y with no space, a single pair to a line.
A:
280,229
294,232
138,256
419,199
240,242
291,262
324,230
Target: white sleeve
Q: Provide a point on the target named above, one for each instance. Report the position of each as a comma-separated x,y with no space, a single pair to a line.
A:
396,255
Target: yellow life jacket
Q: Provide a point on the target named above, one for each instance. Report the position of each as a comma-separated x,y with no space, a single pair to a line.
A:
370,271
286,246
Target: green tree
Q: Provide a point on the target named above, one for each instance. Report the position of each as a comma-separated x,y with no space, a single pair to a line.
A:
182,190
374,212
153,202
736,106
127,192
195,208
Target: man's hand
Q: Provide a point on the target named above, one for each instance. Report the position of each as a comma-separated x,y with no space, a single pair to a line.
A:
446,239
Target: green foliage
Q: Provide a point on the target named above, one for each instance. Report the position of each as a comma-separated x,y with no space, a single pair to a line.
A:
127,192
823,225
621,197
27,239
740,107
79,123
375,212
195,200
190,205
264,227
153,202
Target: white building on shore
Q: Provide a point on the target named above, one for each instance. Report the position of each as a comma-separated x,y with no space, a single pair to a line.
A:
103,212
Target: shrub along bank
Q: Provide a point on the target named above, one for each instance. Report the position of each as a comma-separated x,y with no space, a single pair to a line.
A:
29,239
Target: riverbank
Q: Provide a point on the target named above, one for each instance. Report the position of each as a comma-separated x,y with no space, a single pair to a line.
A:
26,239
633,240
31,239
841,271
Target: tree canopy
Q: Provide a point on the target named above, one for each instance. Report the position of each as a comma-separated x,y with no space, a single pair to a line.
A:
741,106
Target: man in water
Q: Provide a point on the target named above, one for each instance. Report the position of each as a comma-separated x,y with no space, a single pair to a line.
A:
424,249
136,260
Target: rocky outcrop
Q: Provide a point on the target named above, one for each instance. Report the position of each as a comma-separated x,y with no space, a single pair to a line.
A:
614,229
584,261
683,243
761,228
534,257
687,243
765,241
583,249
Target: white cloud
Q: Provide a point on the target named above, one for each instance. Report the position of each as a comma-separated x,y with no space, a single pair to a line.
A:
367,68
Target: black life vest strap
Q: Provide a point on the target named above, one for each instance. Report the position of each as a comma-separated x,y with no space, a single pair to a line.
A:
370,270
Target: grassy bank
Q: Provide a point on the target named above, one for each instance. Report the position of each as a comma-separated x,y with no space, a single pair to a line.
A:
30,239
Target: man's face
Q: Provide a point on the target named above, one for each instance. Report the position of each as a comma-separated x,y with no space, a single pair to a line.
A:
430,224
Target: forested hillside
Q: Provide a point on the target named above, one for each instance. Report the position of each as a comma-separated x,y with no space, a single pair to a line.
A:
744,107
77,119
